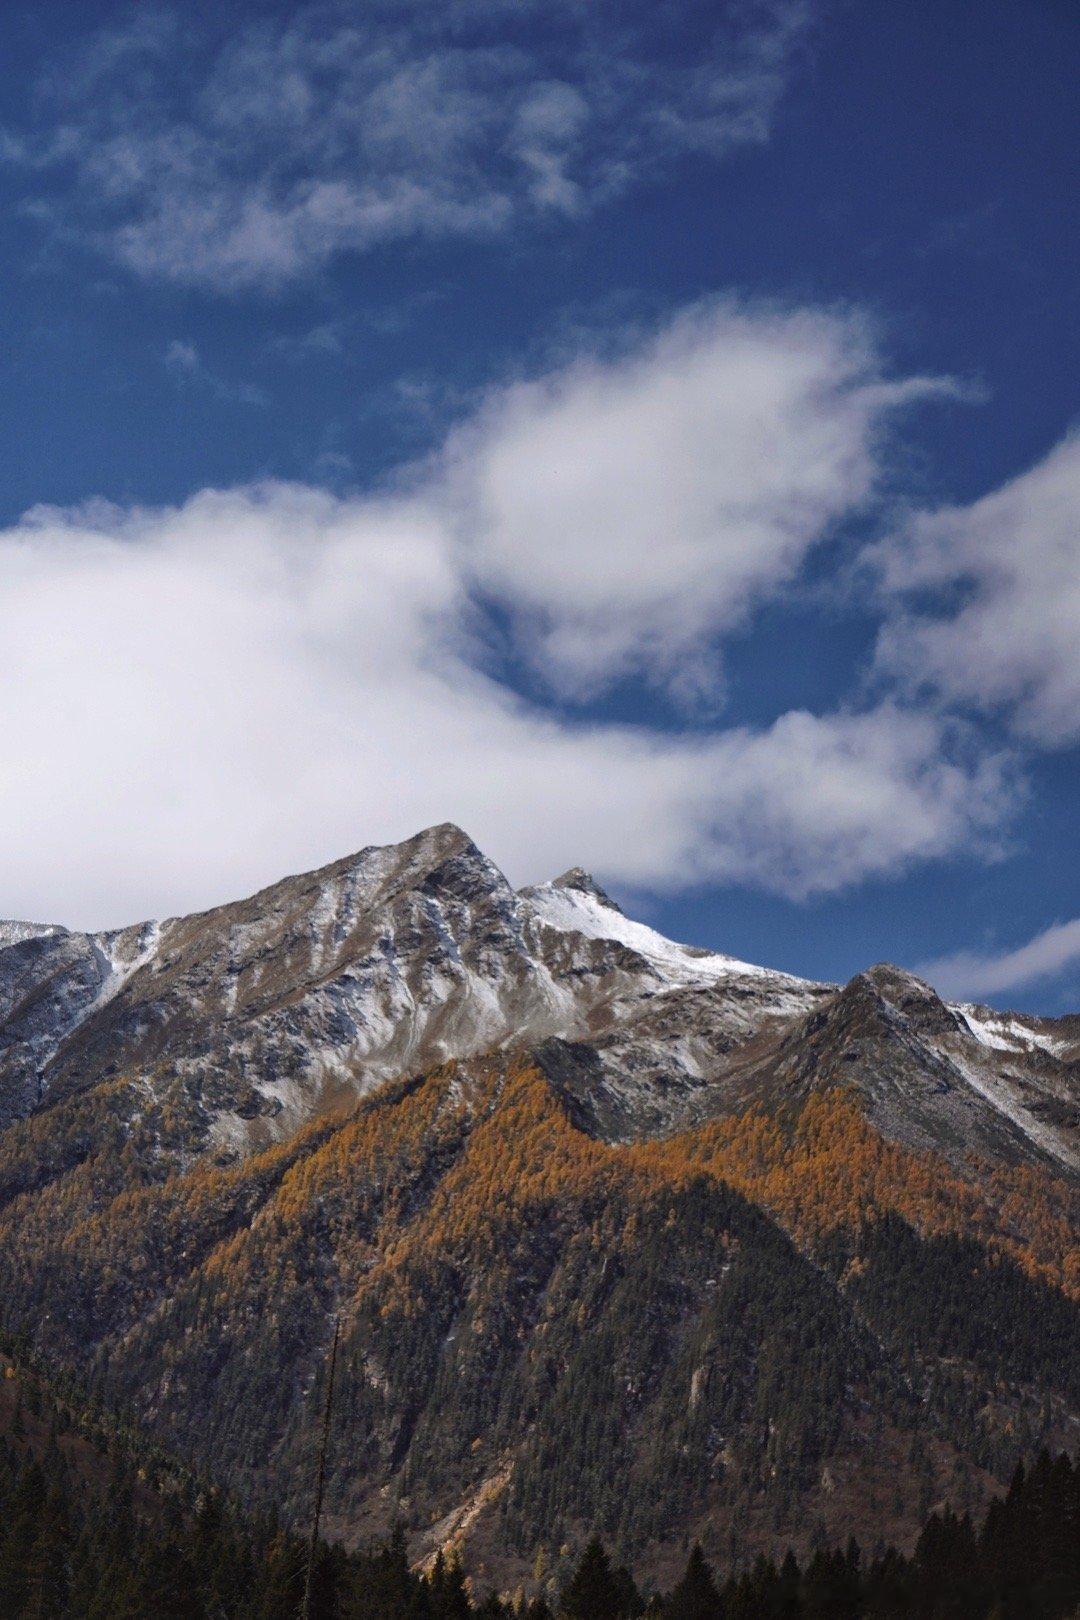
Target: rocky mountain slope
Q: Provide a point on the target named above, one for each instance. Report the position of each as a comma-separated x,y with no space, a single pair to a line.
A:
622,1234
250,1019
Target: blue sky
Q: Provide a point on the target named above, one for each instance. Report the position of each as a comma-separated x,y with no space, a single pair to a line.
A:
641,434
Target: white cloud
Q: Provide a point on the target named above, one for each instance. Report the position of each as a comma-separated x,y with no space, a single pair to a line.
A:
629,510
1011,643
255,159
968,974
195,700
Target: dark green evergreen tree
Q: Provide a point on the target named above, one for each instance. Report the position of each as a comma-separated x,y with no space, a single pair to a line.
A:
696,1596
594,1591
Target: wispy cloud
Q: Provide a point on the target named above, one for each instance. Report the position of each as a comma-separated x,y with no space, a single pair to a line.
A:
254,159
968,974
325,339
183,359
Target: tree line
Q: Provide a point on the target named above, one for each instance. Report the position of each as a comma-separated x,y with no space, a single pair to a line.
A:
70,1550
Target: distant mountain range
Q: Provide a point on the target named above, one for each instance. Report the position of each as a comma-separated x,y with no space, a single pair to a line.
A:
623,1235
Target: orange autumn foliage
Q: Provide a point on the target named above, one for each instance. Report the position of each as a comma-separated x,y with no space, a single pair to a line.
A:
827,1169
472,1151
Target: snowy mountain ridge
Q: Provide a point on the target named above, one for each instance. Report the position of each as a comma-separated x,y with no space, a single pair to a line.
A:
244,1021
574,904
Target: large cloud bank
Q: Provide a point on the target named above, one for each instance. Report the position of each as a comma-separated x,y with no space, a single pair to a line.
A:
199,698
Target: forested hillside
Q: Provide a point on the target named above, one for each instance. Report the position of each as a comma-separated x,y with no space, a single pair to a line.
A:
766,1330
92,1529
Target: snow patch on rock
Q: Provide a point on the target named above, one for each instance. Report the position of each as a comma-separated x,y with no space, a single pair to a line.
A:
1006,1033
587,912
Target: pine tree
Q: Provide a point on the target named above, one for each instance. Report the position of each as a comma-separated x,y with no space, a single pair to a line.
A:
593,1591
448,1594
696,1596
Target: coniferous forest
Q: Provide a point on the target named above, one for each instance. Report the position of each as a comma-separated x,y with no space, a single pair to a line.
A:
65,1555
91,1528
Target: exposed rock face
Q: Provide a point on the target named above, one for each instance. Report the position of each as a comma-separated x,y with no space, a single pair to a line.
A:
929,1075
249,1019
51,982
251,1016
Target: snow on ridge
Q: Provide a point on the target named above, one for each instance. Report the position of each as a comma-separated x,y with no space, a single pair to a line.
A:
14,932
1003,1097
1004,1033
580,911
121,953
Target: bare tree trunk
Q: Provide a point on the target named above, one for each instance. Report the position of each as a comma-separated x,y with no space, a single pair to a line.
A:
320,1480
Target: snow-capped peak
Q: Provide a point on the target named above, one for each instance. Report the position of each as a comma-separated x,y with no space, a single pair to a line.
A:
583,883
575,904
259,1013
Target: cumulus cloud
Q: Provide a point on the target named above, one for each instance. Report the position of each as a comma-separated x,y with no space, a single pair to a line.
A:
970,974
628,510
194,700
1009,643
253,158
197,700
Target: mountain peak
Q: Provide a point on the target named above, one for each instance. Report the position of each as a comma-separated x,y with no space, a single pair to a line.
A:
445,834
909,995
583,882
444,841
887,976
403,955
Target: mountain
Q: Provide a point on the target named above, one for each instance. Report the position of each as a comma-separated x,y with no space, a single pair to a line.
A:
623,1235
247,1020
